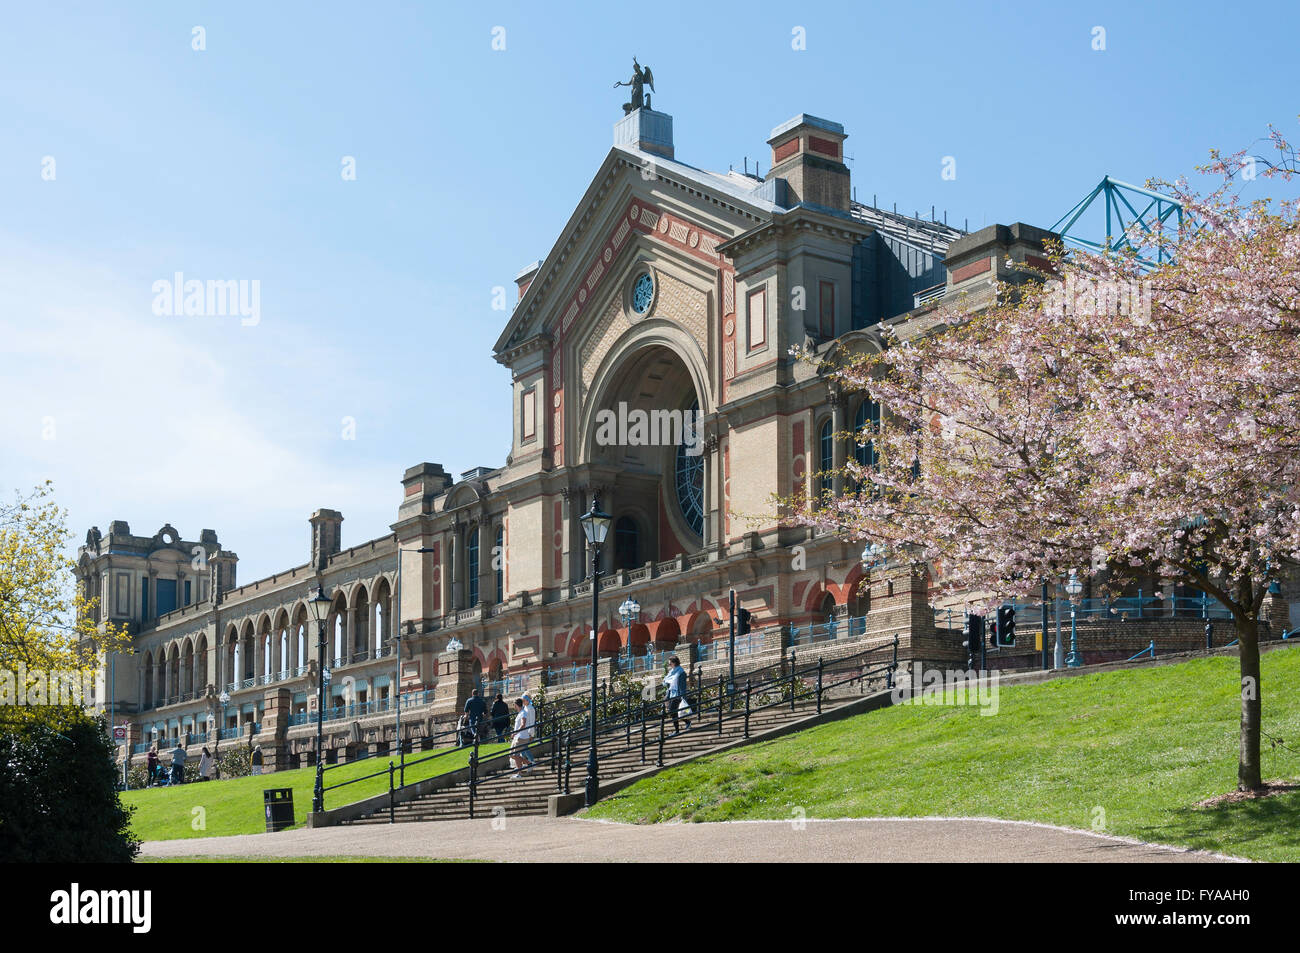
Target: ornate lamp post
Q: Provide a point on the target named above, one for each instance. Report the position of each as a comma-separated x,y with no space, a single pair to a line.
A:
319,605
1072,589
630,613
224,698
595,526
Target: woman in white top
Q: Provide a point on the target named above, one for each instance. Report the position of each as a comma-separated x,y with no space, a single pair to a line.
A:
205,766
519,739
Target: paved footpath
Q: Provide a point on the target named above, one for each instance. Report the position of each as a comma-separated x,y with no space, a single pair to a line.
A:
575,839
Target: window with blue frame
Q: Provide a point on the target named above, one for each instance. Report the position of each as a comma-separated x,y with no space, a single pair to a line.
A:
626,543
164,595
866,421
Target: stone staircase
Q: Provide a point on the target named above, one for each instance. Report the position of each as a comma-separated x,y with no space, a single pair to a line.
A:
498,792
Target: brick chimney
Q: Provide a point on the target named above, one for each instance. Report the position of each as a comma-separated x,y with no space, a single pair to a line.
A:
525,277
221,574
976,262
808,153
326,536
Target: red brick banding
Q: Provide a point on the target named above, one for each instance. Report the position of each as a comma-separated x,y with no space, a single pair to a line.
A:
969,271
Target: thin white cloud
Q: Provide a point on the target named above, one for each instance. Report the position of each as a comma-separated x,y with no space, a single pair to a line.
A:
179,420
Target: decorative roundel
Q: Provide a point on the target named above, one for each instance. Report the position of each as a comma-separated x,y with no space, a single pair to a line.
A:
609,253
582,295
556,400
663,224
633,213
643,292
728,327
695,239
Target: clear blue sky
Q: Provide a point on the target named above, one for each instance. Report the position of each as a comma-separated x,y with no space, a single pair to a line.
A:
376,293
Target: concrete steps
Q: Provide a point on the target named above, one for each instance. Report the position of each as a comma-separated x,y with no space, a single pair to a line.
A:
528,794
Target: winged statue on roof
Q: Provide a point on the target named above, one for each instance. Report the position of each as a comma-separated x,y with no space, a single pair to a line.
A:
641,78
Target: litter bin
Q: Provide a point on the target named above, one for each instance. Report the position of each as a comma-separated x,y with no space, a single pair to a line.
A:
278,803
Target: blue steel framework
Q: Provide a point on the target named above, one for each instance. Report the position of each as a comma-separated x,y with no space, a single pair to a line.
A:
1122,201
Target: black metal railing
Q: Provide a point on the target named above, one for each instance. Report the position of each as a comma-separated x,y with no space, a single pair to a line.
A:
633,722
637,722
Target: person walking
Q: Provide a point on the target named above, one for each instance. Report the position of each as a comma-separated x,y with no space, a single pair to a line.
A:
463,735
205,765
675,681
529,710
257,759
151,765
500,718
178,763
519,741
475,707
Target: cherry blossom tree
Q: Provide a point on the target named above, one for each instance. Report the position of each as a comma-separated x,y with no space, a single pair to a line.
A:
1144,419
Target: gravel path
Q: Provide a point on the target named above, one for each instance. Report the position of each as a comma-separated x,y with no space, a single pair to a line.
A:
573,839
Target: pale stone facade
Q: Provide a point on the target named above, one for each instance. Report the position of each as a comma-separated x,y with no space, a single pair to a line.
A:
669,288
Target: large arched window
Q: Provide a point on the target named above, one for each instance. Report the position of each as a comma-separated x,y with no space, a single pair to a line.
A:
499,562
471,553
626,543
825,454
689,478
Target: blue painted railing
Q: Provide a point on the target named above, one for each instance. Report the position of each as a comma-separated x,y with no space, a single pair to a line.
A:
853,628
1127,607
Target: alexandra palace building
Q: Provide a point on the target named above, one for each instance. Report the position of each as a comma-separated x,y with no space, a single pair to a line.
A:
669,289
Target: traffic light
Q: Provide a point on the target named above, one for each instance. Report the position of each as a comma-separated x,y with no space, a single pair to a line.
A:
972,634
1005,634
742,619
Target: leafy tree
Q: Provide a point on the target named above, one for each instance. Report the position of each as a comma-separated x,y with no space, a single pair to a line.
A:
1147,421
58,798
45,623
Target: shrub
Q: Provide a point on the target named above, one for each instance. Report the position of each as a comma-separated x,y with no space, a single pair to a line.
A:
58,790
233,762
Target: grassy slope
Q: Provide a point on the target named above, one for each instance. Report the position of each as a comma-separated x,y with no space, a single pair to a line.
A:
235,806
1144,746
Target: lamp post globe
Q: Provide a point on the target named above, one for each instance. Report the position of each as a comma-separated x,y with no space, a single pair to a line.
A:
595,526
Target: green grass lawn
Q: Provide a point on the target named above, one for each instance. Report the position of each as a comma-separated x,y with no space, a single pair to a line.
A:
234,806
1129,752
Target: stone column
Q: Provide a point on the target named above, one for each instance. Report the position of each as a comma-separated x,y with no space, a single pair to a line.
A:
565,529
277,705
345,641
838,424
608,503
168,687
455,681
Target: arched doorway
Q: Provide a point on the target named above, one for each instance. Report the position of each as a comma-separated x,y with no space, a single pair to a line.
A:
646,423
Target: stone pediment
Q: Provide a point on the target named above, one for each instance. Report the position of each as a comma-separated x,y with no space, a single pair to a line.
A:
624,201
